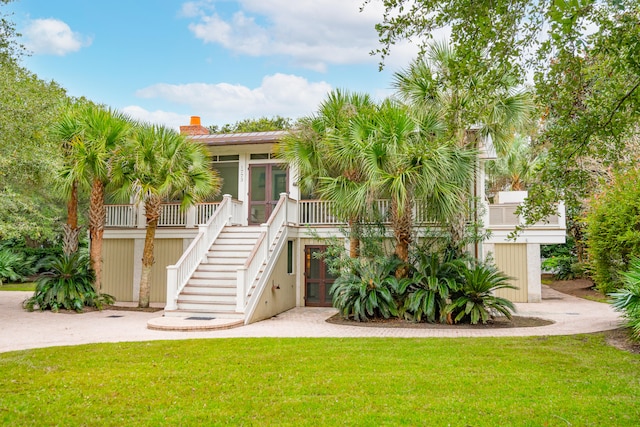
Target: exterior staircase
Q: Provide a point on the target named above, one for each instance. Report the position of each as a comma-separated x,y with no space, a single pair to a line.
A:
212,289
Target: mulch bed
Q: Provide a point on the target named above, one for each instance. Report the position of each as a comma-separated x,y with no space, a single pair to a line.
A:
501,322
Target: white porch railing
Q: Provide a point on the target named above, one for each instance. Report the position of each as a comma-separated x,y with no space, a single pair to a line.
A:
121,216
179,274
204,211
270,242
504,215
305,212
172,216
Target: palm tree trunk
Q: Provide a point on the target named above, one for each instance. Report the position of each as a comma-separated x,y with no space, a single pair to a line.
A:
97,217
152,212
354,239
402,223
71,230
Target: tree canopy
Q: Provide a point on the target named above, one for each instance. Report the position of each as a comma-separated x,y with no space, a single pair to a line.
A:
262,124
583,57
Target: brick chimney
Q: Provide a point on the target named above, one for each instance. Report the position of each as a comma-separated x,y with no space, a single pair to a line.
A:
194,128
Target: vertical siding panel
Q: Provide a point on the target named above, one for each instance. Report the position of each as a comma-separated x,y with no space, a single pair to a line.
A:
512,260
167,252
117,255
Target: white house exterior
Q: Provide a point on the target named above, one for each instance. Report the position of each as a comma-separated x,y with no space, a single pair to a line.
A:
250,256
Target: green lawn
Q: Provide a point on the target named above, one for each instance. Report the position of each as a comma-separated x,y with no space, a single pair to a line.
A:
539,381
26,286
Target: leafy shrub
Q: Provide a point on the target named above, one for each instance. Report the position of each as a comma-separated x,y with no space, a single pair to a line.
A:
427,293
68,284
627,299
565,267
14,266
475,301
366,289
613,230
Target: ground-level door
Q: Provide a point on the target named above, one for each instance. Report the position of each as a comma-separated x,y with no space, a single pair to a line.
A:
317,278
266,184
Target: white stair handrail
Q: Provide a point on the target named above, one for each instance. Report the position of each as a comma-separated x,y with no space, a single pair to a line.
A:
179,274
261,252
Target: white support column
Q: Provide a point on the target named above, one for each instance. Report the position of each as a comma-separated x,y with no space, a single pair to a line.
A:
191,217
138,250
534,284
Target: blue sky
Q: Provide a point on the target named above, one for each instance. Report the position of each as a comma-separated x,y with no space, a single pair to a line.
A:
165,60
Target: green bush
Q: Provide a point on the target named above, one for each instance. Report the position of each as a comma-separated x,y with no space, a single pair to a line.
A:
475,301
627,299
366,290
613,230
565,267
432,279
14,266
68,284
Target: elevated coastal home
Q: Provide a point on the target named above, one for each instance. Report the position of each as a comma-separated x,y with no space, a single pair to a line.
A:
250,254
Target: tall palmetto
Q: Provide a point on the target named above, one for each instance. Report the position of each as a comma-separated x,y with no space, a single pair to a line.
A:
104,132
157,164
403,160
326,160
467,102
68,130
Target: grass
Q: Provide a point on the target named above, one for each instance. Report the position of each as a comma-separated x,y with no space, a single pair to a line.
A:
26,286
537,381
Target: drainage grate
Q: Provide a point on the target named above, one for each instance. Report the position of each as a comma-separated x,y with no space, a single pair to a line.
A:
199,318
115,315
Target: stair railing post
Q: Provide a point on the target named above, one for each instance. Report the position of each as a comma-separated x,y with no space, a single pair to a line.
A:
172,287
228,206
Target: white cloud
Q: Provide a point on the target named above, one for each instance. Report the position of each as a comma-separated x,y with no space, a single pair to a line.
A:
53,37
173,120
279,94
312,33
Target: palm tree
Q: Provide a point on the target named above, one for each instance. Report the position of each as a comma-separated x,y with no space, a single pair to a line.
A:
159,164
327,163
404,161
467,103
68,131
104,131
515,169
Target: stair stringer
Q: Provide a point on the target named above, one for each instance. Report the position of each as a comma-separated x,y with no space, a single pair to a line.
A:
261,282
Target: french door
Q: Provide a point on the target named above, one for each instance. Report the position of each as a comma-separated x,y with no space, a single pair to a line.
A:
266,182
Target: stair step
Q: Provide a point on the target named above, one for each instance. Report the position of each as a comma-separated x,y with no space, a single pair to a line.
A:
216,255
219,267
211,291
206,306
211,283
221,314
215,274
208,299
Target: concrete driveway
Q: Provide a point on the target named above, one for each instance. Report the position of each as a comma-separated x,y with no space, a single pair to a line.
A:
20,329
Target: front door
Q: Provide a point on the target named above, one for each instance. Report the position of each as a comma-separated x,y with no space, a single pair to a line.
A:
318,278
266,184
